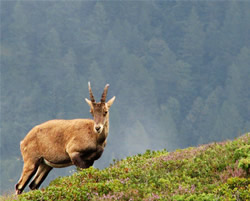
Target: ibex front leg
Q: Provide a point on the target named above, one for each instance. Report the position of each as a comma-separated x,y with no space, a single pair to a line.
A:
78,160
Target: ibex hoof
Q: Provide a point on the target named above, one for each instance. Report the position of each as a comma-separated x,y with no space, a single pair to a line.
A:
18,191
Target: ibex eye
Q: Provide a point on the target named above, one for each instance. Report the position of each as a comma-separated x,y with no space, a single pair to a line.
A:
105,112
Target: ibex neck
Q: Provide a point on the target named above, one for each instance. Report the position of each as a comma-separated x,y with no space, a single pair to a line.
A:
104,134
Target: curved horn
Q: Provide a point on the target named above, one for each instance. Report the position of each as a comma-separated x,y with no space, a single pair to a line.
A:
91,94
104,94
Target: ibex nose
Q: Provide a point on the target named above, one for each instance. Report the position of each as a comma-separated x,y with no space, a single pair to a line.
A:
97,128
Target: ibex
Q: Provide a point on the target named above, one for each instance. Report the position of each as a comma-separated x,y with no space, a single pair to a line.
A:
61,143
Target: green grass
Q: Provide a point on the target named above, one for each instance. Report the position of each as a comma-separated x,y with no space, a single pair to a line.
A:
217,171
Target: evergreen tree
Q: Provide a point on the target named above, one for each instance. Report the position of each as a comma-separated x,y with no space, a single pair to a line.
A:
68,91
48,65
192,48
237,85
229,123
208,115
190,124
160,60
111,58
234,30
167,134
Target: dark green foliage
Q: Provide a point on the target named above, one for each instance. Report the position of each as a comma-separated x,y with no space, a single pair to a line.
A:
207,172
243,156
179,69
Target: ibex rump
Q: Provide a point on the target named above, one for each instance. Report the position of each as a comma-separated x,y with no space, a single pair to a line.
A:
61,143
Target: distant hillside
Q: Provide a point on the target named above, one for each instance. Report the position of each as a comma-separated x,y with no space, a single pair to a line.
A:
217,171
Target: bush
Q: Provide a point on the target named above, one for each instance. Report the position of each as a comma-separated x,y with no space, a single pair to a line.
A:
208,172
234,189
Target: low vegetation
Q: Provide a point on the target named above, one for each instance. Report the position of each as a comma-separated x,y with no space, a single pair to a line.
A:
217,171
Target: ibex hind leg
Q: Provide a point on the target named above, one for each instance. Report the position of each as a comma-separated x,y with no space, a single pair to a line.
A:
29,169
41,174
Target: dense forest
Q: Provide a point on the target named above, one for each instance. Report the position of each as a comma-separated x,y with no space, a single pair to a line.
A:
180,71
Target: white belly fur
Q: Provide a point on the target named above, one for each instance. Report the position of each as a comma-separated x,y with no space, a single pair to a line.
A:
54,165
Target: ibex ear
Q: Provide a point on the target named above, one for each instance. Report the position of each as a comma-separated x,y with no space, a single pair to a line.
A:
110,102
89,102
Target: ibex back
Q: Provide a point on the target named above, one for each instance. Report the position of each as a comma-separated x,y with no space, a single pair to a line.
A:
61,143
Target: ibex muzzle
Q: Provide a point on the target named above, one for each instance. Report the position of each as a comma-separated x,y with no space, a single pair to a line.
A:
61,143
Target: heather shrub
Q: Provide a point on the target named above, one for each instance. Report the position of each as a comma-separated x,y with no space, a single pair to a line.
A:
216,171
243,155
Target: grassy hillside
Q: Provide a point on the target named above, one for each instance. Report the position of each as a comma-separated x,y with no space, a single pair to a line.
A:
217,171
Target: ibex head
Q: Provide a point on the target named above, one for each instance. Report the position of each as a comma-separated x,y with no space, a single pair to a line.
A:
100,111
